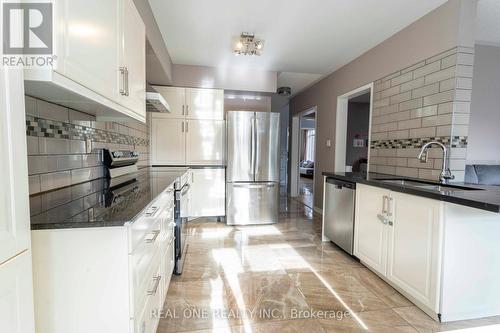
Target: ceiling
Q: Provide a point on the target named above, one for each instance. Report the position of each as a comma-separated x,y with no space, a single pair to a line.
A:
488,22
303,39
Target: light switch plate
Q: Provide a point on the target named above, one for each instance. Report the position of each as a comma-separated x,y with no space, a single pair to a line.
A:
328,143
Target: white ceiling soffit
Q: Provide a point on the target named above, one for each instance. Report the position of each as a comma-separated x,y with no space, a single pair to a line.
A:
297,81
313,36
488,22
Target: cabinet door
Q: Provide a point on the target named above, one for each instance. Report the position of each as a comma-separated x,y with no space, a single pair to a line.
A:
204,104
207,193
414,247
87,43
168,141
133,57
14,198
205,142
16,295
176,99
370,233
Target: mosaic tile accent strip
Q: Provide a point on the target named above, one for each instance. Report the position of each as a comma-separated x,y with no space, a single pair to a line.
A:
453,142
40,127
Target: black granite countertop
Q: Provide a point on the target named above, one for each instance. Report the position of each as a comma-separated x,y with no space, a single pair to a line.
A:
100,203
482,197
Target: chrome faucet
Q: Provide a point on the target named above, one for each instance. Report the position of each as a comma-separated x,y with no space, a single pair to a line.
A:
445,175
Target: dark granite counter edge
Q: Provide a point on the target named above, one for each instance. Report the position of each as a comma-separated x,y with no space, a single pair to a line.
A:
416,191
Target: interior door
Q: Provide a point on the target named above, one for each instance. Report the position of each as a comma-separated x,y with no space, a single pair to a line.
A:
134,58
87,43
266,134
370,232
414,253
14,198
240,156
176,99
204,104
205,142
168,136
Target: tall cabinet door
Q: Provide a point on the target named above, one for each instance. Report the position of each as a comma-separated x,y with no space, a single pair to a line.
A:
176,99
133,57
14,198
168,140
205,142
240,158
414,247
266,134
80,30
370,232
207,193
204,104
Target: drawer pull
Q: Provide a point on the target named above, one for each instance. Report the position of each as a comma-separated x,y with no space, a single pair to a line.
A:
155,233
151,211
155,287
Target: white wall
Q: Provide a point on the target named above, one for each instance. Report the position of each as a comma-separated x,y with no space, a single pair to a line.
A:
484,133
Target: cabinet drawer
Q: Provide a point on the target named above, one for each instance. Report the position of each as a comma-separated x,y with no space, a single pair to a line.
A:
143,274
146,321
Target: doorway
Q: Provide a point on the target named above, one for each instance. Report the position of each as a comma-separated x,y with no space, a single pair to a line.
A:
304,157
353,130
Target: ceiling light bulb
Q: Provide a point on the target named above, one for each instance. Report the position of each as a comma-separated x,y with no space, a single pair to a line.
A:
259,46
239,45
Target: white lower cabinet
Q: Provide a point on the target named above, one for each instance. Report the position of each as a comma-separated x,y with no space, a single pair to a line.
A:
207,196
400,237
105,279
16,295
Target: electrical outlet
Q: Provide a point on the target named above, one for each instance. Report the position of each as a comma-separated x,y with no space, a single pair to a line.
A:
328,143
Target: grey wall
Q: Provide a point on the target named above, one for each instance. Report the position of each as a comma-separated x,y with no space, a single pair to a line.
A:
484,133
358,122
242,79
58,155
446,27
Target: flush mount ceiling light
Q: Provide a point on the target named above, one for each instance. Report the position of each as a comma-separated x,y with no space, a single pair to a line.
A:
247,44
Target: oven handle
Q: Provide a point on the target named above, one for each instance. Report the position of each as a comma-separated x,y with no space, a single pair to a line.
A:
185,189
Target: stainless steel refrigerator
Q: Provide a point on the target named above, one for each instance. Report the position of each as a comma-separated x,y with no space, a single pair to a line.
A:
252,176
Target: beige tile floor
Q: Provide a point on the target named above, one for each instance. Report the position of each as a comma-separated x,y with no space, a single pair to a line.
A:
257,279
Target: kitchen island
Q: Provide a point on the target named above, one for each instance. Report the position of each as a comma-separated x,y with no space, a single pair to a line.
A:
103,253
436,244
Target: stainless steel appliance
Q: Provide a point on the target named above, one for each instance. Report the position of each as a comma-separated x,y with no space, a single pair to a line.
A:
339,213
120,162
181,215
252,175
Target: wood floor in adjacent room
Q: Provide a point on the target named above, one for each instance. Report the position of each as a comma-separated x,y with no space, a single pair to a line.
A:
272,278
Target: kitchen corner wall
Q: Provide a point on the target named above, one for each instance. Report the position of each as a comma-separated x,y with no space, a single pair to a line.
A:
65,146
428,101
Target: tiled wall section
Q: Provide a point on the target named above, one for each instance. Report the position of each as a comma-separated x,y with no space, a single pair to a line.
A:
427,101
65,146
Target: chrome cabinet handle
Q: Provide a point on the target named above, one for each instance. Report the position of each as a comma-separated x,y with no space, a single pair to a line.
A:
127,91
389,206
123,90
384,200
155,233
151,212
183,106
187,126
182,127
187,110
155,287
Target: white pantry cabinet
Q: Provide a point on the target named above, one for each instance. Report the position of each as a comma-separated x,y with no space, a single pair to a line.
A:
168,140
204,104
207,196
205,142
100,60
16,288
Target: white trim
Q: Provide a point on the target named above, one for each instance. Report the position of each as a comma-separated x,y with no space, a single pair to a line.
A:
341,124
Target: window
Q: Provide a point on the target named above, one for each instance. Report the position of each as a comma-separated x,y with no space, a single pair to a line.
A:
310,142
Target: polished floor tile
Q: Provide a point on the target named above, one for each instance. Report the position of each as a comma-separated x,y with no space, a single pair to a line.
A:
283,278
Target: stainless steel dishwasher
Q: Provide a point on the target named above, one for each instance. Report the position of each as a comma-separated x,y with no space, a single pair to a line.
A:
339,213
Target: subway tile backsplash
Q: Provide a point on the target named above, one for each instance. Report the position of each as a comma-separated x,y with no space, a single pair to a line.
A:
58,138
428,101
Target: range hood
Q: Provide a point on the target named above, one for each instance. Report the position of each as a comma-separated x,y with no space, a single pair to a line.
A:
156,103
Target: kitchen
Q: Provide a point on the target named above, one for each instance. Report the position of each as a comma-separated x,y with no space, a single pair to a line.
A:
148,182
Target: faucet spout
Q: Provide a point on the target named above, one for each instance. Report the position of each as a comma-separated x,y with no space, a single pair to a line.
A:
445,175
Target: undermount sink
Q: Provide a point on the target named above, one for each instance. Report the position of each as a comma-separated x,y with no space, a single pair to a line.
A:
428,186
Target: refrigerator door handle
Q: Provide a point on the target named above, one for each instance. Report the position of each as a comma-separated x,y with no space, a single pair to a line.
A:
269,185
254,146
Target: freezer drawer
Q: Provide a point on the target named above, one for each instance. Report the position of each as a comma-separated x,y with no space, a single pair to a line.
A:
339,213
252,203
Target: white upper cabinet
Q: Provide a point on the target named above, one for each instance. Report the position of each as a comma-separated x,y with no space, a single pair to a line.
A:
87,41
205,142
204,104
414,254
14,204
370,233
176,99
167,141
132,80
100,60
